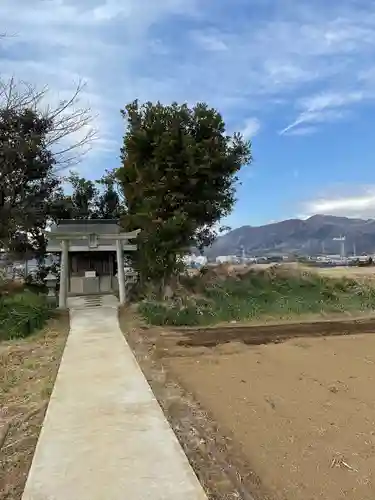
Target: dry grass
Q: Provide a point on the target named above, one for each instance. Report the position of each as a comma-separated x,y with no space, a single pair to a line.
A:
339,271
348,272
28,368
361,274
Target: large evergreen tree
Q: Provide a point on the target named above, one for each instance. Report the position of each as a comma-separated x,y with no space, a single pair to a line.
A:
178,174
27,180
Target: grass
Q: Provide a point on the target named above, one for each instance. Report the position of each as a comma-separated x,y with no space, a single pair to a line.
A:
275,292
21,313
358,273
28,369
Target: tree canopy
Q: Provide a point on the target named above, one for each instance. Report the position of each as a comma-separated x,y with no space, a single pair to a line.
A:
31,192
176,182
37,140
27,179
88,199
178,175
70,135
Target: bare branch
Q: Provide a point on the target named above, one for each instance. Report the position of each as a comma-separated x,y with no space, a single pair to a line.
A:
72,133
6,35
15,95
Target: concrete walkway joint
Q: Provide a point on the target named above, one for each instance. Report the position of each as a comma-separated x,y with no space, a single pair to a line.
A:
105,436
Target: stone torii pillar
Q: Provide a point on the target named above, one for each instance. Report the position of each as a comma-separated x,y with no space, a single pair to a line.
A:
120,271
63,292
122,243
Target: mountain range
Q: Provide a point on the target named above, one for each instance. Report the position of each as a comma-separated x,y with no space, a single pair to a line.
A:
312,236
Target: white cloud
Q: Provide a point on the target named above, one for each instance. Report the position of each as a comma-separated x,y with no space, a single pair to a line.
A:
59,43
325,107
326,100
359,204
251,128
209,41
308,130
190,50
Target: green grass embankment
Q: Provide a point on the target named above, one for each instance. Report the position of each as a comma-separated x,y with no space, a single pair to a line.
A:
273,293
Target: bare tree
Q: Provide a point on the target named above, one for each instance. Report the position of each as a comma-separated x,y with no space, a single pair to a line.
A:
72,133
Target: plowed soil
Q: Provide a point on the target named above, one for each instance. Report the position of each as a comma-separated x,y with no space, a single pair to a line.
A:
264,334
281,412
301,412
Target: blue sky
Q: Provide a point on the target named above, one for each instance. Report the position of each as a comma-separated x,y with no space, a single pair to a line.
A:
297,77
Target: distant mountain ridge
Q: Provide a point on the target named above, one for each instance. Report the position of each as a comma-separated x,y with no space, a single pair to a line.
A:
308,237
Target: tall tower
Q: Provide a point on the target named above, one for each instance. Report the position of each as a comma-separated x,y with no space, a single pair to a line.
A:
243,254
341,239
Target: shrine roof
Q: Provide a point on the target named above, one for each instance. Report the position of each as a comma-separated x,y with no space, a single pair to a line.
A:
92,226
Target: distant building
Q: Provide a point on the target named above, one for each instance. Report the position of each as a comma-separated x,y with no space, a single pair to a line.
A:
194,260
227,259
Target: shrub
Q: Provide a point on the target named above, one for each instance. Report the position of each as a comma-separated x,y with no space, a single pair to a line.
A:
22,313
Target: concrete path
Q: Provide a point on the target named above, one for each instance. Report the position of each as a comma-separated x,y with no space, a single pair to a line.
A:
105,436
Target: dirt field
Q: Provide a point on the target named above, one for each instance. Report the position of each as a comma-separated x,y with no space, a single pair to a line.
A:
293,420
302,411
28,369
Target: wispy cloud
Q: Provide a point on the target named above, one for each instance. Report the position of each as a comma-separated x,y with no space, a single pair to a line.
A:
59,43
307,130
241,57
209,40
251,128
359,204
325,107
